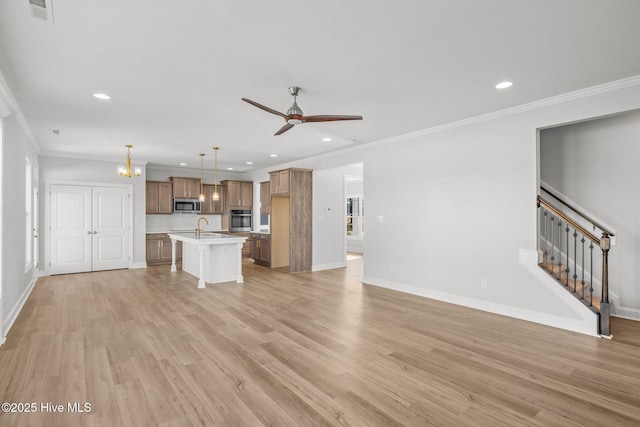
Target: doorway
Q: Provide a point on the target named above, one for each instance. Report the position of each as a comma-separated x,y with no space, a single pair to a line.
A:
88,228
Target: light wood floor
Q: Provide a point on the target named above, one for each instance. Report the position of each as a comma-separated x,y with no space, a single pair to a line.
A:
146,347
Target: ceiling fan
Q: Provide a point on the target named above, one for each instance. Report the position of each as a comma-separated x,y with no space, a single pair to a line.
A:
295,116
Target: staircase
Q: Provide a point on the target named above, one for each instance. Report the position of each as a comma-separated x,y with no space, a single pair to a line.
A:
569,253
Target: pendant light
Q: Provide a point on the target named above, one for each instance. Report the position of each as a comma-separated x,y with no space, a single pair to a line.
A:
126,170
201,198
215,196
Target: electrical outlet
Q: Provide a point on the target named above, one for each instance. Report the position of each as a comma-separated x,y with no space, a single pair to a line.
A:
483,283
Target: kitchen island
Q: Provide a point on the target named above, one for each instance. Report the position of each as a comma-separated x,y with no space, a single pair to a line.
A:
211,257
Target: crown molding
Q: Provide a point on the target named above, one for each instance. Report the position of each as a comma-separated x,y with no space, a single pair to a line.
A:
569,96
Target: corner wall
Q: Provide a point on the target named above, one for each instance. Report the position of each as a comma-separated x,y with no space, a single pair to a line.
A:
15,281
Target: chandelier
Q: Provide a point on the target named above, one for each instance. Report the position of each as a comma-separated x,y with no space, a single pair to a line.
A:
126,170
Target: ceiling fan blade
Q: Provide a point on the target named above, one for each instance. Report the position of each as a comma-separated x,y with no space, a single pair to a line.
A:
329,118
262,107
283,129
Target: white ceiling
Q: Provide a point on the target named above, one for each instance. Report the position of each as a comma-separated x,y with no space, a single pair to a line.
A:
176,70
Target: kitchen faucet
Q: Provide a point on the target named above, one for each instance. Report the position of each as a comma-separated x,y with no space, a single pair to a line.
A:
198,229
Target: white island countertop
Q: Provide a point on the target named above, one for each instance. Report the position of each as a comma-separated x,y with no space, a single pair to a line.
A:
207,238
211,257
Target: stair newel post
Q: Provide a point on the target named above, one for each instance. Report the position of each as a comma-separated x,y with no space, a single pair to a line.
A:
605,245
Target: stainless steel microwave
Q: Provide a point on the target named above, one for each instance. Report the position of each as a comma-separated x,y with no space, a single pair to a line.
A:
186,206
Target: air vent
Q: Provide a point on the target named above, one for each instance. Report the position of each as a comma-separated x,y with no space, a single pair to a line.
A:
41,9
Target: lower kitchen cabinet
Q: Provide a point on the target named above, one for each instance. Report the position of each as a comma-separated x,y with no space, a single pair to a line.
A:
261,249
159,249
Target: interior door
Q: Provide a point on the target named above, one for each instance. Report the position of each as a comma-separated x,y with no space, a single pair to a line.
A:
110,231
70,224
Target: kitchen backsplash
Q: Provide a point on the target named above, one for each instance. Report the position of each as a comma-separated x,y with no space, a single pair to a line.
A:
175,222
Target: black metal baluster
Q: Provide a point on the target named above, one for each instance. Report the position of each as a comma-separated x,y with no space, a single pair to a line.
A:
575,259
591,276
553,242
566,270
582,266
546,243
560,251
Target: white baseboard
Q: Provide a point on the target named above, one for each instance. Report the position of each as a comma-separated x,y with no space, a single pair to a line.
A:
329,266
626,313
17,308
138,265
491,307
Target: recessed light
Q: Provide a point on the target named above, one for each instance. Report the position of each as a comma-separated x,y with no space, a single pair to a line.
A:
326,139
229,169
55,131
504,85
101,96
249,163
183,164
273,155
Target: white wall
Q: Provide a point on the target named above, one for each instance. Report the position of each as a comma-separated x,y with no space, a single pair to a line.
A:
595,164
329,212
458,206
15,281
97,172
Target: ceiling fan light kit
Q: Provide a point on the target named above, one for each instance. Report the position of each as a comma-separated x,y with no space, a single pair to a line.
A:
295,116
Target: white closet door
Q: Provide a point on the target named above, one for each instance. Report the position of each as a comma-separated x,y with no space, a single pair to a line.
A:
70,235
110,228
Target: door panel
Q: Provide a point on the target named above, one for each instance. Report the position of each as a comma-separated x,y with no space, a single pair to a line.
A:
70,222
110,228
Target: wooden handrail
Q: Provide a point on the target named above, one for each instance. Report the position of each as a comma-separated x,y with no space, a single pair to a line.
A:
583,215
574,224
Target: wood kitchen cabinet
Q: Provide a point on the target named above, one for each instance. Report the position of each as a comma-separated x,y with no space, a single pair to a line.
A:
261,249
185,188
239,194
159,249
210,206
291,219
279,182
265,198
159,197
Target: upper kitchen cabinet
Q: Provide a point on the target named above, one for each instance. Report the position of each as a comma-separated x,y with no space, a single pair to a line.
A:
279,182
159,196
265,198
239,194
185,188
210,206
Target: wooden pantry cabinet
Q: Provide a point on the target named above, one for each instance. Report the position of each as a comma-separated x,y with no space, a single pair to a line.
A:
291,219
159,197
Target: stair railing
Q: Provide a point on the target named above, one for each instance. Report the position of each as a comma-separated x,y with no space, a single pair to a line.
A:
555,246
